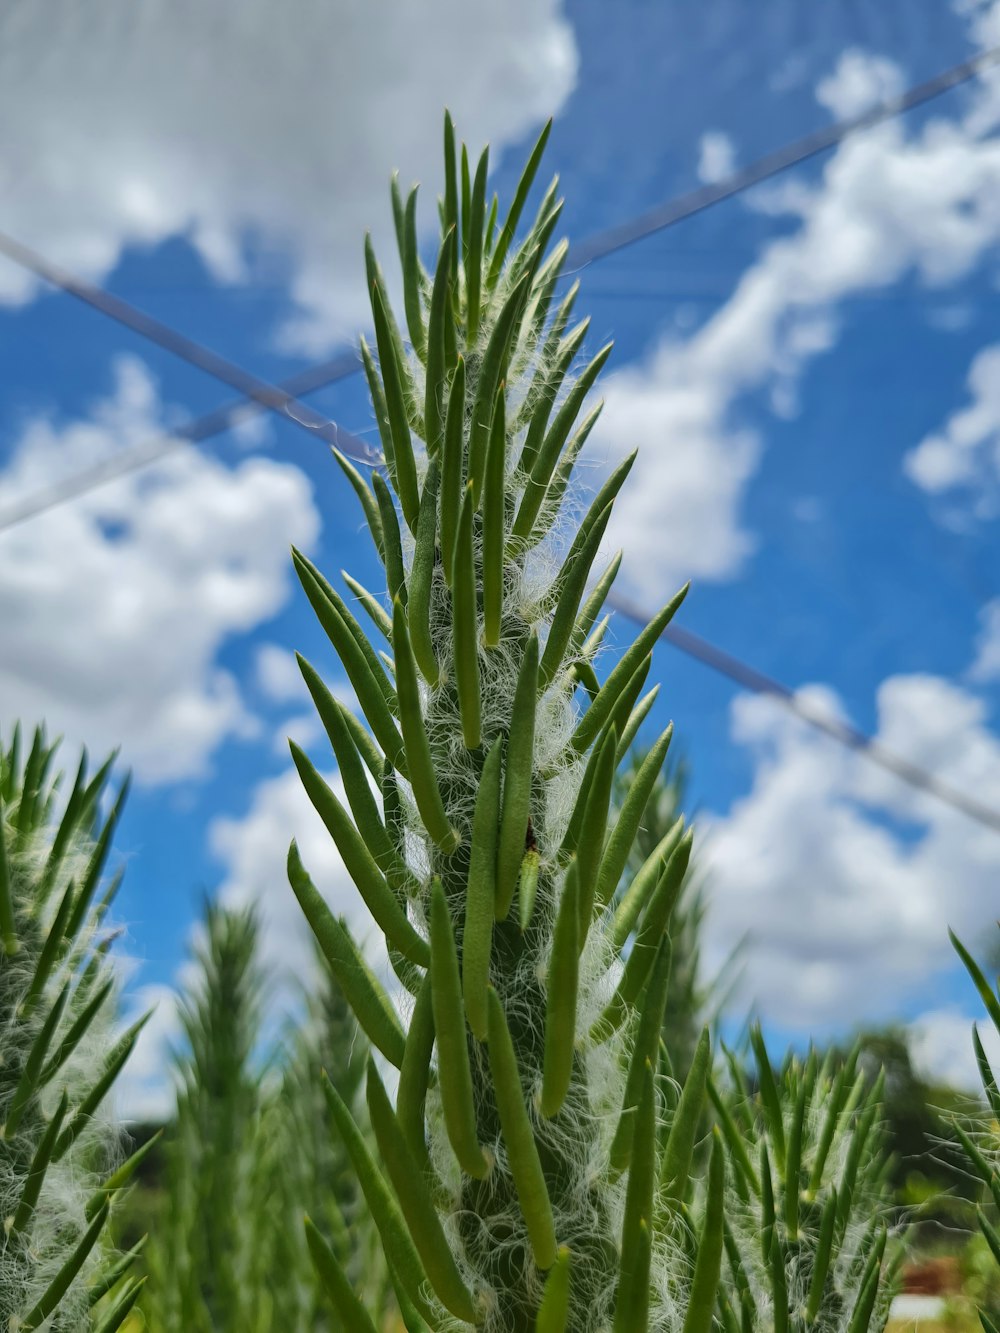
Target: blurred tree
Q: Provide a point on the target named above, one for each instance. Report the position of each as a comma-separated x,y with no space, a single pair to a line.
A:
251,1148
211,1256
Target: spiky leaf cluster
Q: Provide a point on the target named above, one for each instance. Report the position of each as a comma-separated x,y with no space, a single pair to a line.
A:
252,1143
309,1167
58,1058
807,1227
525,1168
211,1256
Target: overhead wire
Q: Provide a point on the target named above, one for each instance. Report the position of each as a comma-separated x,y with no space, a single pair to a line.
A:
196,431
614,239
851,737
268,397
284,400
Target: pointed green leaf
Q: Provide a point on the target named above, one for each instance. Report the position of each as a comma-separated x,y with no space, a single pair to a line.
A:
494,509
491,372
600,710
474,250
679,1151
421,580
60,1284
708,1265
394,381
515,818
477,937
454,1072
570,584
632,1302
363,491
626,828
423,778
551,447
8,932
410,256
414,1074
465,627
372,1007
452,470
36,1172
439,320
560,998
400,1252
360,864
374,609
517,205
553,1313
363,668
644,1049
395,576
415,1202
522,1152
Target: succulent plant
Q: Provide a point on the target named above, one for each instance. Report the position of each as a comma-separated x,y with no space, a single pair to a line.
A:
516,1184
60,1153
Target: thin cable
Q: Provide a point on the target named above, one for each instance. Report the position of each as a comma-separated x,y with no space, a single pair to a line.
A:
268,397
280,398
617,238
749,678
197,431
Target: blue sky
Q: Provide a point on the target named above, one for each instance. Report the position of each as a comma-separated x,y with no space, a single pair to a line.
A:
811,370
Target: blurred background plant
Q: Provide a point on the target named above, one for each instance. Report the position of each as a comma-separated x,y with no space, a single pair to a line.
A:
61,1156
251,1146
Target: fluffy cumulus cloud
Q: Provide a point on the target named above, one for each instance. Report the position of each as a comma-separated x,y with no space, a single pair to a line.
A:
114,608
844,879
941,1047
858,83
233,122
891,203
986,664
716,157
964,454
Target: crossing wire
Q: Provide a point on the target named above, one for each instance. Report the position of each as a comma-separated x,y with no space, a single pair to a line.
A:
284,400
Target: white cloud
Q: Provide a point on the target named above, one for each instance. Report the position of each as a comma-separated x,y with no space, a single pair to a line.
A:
230,123
890,204
278,675
845,878
941,1048
114,608
716,157
860,81
678,514
965,453
986,664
